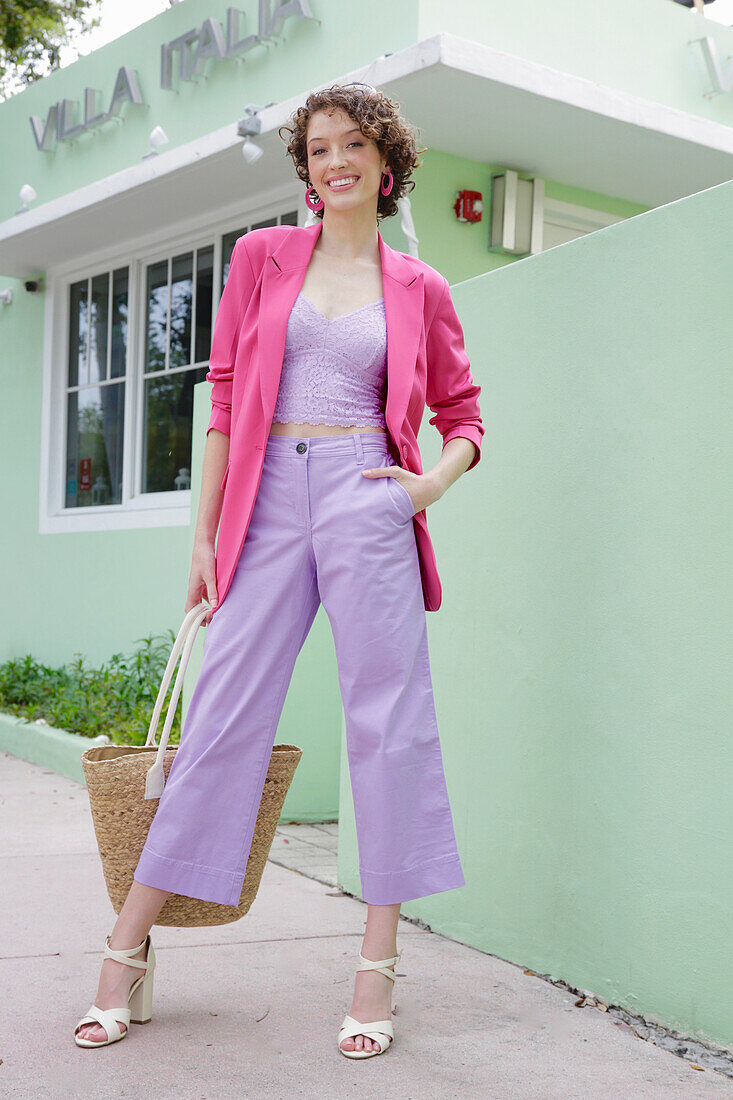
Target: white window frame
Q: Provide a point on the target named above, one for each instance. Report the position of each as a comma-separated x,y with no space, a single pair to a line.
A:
167,509
584,219
170,499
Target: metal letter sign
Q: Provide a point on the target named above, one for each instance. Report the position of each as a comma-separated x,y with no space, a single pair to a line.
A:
59,124
126,90
210,44
197,45
194,48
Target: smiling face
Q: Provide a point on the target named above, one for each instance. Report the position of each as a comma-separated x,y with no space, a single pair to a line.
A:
338,151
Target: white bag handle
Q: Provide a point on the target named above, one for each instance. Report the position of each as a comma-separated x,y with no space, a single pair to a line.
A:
155,779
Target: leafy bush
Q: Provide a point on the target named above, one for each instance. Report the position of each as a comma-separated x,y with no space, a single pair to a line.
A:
116,699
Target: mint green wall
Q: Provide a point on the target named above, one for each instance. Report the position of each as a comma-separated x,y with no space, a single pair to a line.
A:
636,46
581,657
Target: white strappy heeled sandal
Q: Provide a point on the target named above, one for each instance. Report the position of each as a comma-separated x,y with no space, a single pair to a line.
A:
376,1030
139,1006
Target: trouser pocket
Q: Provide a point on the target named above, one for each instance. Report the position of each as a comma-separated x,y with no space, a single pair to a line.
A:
401,498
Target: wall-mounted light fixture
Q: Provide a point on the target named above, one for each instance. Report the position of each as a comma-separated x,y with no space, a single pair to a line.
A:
247,127
517,213
250,151
157,138
26,194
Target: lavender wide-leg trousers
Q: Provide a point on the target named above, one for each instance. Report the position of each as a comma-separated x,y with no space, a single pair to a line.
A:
320,532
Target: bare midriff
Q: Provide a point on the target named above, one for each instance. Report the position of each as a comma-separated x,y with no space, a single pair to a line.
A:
301,430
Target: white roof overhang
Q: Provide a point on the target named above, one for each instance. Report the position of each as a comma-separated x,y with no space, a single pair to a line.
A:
465,98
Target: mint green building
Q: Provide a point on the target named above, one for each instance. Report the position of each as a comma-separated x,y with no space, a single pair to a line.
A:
575,191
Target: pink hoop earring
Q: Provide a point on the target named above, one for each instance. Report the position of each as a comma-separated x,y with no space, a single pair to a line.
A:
389,184
318,205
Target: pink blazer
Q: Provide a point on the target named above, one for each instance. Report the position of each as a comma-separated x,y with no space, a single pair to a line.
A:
426,362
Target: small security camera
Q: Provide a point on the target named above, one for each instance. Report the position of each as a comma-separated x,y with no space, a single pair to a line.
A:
33,286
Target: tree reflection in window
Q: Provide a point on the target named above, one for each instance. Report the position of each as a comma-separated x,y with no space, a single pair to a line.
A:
96,371
178,341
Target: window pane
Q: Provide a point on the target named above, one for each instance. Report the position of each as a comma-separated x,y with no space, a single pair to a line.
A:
77,332
204,293
157,316
98,328
168,425
291,218
264,224
94,446
181,299
119,323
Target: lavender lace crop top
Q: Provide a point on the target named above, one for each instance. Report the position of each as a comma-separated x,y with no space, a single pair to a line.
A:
334,371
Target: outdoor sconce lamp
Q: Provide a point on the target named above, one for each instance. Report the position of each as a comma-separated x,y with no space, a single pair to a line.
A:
248,126
251,152
157,138
517,212
26,194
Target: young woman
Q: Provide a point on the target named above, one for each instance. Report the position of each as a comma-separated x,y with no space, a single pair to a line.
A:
326,347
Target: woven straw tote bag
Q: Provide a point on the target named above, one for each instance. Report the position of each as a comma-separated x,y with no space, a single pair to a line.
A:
124,783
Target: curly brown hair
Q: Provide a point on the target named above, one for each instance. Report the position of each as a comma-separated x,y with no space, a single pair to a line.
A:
378,118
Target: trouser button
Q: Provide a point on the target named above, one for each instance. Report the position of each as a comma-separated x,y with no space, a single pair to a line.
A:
301,447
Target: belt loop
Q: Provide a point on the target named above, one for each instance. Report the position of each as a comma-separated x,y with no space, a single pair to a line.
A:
358,449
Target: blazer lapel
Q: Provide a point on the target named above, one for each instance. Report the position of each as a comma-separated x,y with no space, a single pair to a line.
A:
403,289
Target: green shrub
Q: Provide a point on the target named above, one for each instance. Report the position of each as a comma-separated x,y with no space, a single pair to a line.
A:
116,699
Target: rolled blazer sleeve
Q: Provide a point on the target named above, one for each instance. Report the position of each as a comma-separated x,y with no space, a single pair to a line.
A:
232,305
451,392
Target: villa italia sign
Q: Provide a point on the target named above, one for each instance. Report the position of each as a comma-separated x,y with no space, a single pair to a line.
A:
182,60
59,125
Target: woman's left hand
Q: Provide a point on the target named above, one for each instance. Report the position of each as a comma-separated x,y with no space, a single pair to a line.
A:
422,488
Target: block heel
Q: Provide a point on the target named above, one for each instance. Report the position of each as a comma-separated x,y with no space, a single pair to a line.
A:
141,1001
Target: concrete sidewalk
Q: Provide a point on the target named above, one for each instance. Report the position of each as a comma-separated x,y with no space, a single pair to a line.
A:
252,1009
